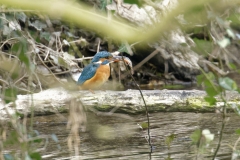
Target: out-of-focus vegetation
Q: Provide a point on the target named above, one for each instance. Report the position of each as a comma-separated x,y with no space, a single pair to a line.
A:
42,41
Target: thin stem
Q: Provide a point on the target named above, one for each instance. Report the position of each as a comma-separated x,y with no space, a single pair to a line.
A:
223,125
145,105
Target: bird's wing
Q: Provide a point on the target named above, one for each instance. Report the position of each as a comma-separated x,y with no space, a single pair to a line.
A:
88,72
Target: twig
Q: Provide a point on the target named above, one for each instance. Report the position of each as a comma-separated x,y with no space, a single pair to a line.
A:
49,69
145,105
39,82
223,125
142,62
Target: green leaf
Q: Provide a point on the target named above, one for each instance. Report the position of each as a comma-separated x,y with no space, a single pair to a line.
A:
21,49
10,95
144,125
139,3
24,58
169,139
207,83
12,139
103,4
45,35
228,84
210,100
237,131
195,136
211,92
35,156
234,19
210,77
232,66
200,79
202,46
125,47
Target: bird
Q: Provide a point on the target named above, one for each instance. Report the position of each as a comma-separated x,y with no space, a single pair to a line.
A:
95,74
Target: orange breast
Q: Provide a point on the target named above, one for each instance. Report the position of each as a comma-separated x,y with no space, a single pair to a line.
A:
101,76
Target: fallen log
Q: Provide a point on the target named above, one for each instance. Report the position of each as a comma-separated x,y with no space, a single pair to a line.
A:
129,101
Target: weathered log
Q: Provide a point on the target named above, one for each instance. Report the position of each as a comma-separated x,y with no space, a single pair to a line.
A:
130,101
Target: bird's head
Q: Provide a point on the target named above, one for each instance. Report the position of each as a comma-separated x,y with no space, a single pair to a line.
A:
102,56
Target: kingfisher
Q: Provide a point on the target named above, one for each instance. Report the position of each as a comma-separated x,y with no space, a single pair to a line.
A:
97,72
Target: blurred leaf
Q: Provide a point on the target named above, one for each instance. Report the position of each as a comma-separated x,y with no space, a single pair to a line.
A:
220,21
18,114
202,46
168,158
208,136
211,15
10,95
195,136
20,48
125,47
210,76
12,138
35,156
103,4
36,132
12,67
200,79
237,131
210,100
236,108
232,66
211,91
38,140
207,83
38,25
1,24
231,33
45,35
54,137
8,156
24,58
144,125
62,62
7,30
104,132
139,3
27,157
228,84
174,86
224,42
234,18
169,139
14,25
21,16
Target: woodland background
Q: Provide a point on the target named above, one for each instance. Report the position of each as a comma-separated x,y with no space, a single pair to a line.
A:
172,43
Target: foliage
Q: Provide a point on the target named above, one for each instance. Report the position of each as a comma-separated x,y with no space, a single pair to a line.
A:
35,36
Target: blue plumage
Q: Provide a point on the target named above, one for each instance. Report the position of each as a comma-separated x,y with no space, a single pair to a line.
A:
88,72
89,78
99,55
